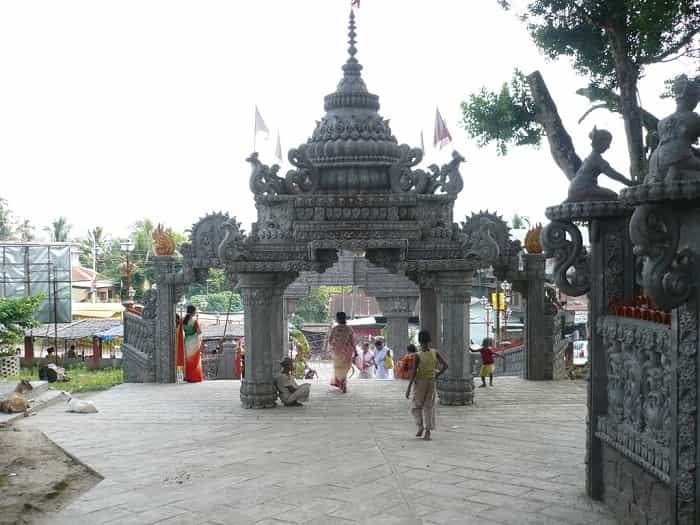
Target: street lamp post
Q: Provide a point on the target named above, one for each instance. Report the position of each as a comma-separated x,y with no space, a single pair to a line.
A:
486,305
127,245
506,286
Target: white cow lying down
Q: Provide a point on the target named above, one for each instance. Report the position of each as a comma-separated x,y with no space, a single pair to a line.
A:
80,406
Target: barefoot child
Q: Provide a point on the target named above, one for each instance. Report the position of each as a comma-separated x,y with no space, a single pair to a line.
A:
488,366
423,377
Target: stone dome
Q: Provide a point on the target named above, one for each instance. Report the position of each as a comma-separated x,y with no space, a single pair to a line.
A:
352,146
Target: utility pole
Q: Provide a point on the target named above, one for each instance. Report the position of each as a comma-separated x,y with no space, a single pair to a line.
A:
93,285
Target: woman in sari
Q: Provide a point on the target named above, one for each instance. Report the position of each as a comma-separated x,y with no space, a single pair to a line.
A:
341,343
189,346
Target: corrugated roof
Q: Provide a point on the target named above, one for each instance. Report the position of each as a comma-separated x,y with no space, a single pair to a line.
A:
213,331
75,330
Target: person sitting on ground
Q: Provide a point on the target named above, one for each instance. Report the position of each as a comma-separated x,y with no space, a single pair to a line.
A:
488,366
291,393
404,368
71,352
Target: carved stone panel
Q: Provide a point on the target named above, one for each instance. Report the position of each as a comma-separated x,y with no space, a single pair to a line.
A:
639,362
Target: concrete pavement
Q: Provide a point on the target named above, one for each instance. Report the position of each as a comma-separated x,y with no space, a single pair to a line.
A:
189,454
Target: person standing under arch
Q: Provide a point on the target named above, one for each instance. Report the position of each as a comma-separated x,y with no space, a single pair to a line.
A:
341,343
189,347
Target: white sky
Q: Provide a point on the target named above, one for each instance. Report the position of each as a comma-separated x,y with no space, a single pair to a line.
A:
114,111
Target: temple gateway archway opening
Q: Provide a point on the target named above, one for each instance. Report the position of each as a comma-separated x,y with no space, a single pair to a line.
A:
353,188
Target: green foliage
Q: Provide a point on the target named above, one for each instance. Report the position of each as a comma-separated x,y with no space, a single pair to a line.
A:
217,302
313,308
95,239
25,231
59,230
16,315
82,378
6,229
506,117
519,222
587,30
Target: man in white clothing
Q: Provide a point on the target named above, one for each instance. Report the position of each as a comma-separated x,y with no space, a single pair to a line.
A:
380,359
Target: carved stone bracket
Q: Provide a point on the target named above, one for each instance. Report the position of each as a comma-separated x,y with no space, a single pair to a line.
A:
404,180
571,264
667,275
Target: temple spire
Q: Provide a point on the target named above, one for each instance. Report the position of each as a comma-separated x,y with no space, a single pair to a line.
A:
352,79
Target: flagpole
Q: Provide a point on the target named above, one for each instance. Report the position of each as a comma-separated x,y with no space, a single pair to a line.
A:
255,129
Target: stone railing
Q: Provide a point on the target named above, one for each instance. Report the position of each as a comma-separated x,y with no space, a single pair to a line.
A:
513,363
638,421
138,349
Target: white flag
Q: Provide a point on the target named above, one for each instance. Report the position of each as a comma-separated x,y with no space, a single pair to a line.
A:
260,126
441,137
278,149
422,144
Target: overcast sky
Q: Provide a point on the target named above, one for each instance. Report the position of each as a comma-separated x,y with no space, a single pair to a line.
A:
115,111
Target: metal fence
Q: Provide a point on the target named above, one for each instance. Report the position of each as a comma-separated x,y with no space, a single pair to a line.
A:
38,269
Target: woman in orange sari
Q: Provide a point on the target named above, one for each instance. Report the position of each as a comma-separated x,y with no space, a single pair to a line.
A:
342,343
189,346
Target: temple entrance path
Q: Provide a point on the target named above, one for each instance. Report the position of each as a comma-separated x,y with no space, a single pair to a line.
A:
189,454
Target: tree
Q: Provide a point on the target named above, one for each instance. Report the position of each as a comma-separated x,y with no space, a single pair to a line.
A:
518,222
313,308
6,230
94,241
611,42
25,231
59,230
16,315
220,302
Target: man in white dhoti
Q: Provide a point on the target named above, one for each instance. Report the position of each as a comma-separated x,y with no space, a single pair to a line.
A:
380,359
291,393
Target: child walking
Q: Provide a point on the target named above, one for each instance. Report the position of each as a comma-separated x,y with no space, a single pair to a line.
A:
488,366
423,379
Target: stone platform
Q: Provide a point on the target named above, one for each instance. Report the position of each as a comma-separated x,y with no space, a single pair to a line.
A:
189,454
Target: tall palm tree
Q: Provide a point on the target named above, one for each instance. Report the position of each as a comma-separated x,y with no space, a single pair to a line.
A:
59,230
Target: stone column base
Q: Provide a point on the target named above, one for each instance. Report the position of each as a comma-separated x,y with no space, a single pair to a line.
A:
455,391
257,395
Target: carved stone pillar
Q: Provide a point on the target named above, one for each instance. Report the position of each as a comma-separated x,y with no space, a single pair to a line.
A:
167,297
666,233
539,345
456,386
397,310
606,272
429,307
261,294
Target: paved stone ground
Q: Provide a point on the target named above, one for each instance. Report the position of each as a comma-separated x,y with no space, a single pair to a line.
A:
189,454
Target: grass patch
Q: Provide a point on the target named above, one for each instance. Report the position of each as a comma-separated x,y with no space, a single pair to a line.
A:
82,378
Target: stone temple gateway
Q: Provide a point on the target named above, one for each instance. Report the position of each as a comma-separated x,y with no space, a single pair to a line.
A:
355,188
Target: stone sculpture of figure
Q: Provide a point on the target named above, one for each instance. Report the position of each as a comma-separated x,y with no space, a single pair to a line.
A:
675,158
584,186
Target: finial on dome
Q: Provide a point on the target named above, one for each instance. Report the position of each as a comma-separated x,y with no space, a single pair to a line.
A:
352,78
352,50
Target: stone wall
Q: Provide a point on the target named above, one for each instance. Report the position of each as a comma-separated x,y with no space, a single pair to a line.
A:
634,495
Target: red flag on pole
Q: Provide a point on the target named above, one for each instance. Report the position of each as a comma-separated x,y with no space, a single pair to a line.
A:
355,3
441,137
